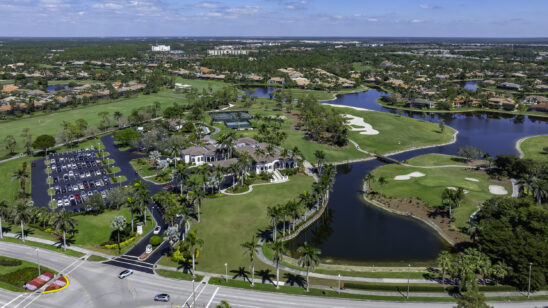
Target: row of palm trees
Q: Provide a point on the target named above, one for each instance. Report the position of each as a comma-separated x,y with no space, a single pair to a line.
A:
309,257
535,186
467,265
22,212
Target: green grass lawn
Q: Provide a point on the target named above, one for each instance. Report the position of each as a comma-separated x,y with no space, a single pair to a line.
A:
68,252
396,132
532,148
203,83
9,190
430,187
94,230
228,221
51,123
438,160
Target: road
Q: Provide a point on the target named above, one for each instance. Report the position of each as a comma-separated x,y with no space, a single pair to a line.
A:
96,285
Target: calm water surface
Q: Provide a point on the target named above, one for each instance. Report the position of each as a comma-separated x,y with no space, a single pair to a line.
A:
352,231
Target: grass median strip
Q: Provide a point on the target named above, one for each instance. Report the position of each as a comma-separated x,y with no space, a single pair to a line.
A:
69,252
178,275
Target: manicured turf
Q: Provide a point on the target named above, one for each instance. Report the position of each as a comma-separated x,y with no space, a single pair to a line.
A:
96,258
51,123
396,132
69,252
430,187
177,275
229,221
203,83
9,190
94,230
532,148
438,160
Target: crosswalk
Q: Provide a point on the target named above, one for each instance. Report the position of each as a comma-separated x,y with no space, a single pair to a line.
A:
132,262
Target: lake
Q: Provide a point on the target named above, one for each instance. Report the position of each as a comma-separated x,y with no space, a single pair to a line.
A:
355,232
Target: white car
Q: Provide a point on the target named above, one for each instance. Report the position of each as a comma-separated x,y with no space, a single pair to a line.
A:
157,230
125,273
59,203
66,202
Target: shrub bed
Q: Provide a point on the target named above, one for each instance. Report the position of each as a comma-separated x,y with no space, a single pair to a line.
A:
155,240
5,261
20,276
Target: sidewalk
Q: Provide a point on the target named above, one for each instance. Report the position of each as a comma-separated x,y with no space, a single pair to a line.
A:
59,244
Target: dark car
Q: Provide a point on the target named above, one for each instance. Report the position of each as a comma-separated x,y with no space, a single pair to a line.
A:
161,297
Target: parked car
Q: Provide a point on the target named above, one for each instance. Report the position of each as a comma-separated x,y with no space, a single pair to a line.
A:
125,273
85,183
157,230
66,202
81,185
161,298
59,203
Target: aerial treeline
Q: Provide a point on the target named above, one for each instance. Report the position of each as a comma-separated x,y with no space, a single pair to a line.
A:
324,125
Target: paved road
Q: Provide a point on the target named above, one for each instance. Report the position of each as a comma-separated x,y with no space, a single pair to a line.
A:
96,285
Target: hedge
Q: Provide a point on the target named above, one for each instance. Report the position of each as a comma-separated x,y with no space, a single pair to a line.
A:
122,244
5,261
20,276
155,240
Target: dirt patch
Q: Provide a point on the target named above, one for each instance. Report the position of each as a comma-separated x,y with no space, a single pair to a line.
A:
420,209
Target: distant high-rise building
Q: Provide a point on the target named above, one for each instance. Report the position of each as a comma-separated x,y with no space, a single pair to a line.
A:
161,48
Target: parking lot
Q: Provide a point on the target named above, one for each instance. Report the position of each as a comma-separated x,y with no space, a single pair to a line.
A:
76,176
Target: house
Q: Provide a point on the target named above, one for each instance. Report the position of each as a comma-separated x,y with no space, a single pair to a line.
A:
9,88
542,87
534,99
540,107
502,102
277,80
199,155
421,103
509,86
6,108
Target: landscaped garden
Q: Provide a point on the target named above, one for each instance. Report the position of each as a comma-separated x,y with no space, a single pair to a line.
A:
535,148
14,273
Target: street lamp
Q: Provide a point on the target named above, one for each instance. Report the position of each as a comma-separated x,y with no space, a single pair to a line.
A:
38,261
226,272
529,284
339,275
408,276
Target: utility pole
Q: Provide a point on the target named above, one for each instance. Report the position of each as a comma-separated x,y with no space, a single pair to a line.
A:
529,284
339,275
38,261
226,272
408,276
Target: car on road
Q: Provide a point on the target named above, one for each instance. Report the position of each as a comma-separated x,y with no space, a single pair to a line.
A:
125,273
157,230
161,297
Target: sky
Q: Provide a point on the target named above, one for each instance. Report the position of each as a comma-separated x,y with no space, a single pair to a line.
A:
343,18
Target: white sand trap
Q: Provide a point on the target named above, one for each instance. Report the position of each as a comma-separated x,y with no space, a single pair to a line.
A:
454,188
497,190
471,179
344,106
408,176
364,128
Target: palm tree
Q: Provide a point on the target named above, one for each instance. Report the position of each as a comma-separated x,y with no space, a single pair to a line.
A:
3,212
251,248
133,206
63,221
539,190
197,196
274,213
444,261
369,177
193,243
499,271
21,175
309,258
320,158
278,250
20,212
119,224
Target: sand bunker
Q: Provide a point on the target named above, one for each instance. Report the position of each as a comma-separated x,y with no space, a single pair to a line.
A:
454,188
471,179
364,128
408,176
497,190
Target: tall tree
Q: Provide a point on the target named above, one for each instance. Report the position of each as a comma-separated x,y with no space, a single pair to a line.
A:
63,221
10,143
193,243
309,258
444,261
21,213
278,250
118,223
251,249
4,211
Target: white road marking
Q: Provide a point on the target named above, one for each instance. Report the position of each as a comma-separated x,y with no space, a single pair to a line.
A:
23,300
190,296
6,305
77,266
212,297
32,300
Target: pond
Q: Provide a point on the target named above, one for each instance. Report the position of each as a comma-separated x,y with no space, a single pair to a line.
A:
471,85
354,232
55,87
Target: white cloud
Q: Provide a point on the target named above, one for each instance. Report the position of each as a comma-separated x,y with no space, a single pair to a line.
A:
109,5
246,10
416,21
372,19
207,5
428,6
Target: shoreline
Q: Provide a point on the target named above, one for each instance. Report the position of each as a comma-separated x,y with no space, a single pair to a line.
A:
431,224
521,140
